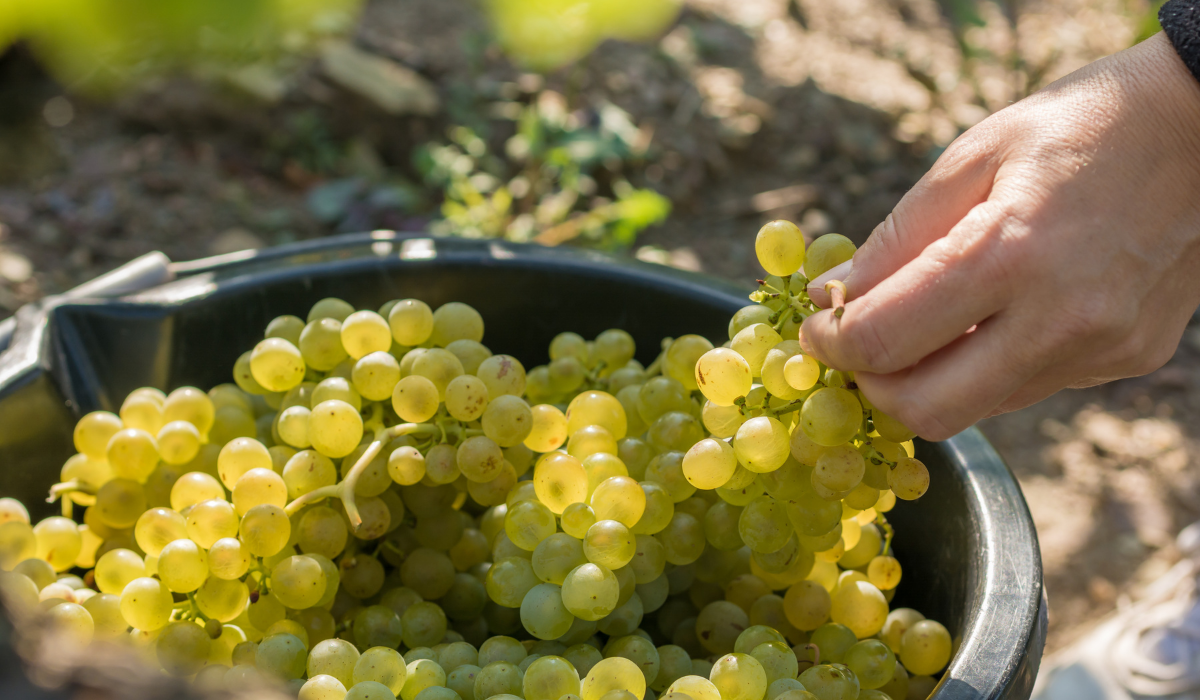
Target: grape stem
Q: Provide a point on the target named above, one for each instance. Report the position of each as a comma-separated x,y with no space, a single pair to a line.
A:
816,653
77,488
888,532
837,294
345,489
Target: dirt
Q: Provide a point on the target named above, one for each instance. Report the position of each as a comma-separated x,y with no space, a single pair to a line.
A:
824,113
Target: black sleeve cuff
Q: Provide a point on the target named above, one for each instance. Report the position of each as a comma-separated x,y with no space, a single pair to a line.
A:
1180,20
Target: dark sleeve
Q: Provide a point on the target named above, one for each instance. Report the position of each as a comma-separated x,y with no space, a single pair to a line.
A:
1180,20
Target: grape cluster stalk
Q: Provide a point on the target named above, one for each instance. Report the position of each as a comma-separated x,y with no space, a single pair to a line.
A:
380,507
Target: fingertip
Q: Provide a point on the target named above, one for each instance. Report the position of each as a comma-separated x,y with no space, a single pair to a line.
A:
816,288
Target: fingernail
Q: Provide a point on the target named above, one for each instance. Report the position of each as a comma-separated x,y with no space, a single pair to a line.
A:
816,288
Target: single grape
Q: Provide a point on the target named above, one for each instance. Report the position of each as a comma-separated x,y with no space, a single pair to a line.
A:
723,375
925,648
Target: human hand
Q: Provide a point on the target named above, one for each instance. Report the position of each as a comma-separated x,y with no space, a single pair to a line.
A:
1055,244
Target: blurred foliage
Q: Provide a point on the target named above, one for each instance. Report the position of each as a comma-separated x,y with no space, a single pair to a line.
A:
545,34
1148,24
547,185
103,44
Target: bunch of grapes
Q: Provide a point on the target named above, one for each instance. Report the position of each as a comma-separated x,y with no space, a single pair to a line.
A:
380,507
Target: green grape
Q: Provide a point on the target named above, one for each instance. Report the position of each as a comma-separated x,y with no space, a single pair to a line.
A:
755,635
189,404
265,530
79,467
502,648
132,454
380,665
466,398
411,322
378,626
322,687
813,516
259,487
723,375
600,466
624,619
762,444
590,591
38,570
830,682
897,623
739,677
479,459
183,566
721,526
116,569
674,663
826,253
719,624
336,388
830,417
722,421
470,550
193,488
614,347
370,690
635,454
221,599
240,456
335,428
93,432
867,548
889,428
178,442
897,687
679,363
779,246
565,375
286,327
801,372
591,440
465,600
859,606
231,423
244,377
597,408
833,640
695,687
884,572
666,470
682,539
568,344
609,544
543,613
559,480
788,689
298,582
498,678
804,450
619,498
774,376
457,654
308,470
438,366
649,560
528,523
709,463
549,678
428,572
628,398
576,519
777,660
507,420
276,364
909,479
58,541
583,656
292,426
764,524
872,662
555,556
330,307
455,321
472,354
548,429
925,648
615,673
211,520
462,680
70,623
281,656
658,511
228,559
365,332
840,468
146,604
105,609
183,648
753,342
424,624
502,375
661,395
406,465
509,579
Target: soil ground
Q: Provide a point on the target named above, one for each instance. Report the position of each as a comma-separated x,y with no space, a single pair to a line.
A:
825,113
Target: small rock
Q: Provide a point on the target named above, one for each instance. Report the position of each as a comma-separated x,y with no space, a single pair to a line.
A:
15,267
233,240
391,86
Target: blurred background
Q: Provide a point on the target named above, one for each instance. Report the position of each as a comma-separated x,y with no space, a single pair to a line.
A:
668,130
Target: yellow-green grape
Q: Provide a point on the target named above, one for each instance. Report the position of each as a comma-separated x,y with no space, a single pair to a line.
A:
674,663
183,566
146,604
93,432
590,440
409,358
764,525
209,521
826,253
479,459
739,677
628,396
143,412
116,568
762,444
411,322
591,591
649,561
369,690
265,530
335,387
454,321
658,512
680,360
889,428
568,345
722,421
753,342
335,428
298,582
335,657
577,518
543,613
502,648
859,606
423,674
709,464
240,456
470,550
193,488
132,454
230,423
276,364
609,544
898,622
321,344
322,688
564,375
461,680
659,396
839,469
833,641
682,539
721,526
666,470
828,681
550,678
71,623
774,378
675,430
548,428
804,450
620,499
723,375
597,408
872,662
244,377
719,624
379,665
191,405
600,466
58,541
884,572
502,374
528,523
466,398
365,332
925,648
777,659
178,442
859,554
183,648
330,307
614,673
281,656
323,531
695,687
105,609
556,556
375,375
582,656
507,420
406,465
472,354
831,417
306,471
257,487
438,366
92,472
119,503
779,246
221,599
636,455
228,558
909,479
801,372
753,636
559,480
415,399
38,571
498,679
265,612
287,327
862,497
509,579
